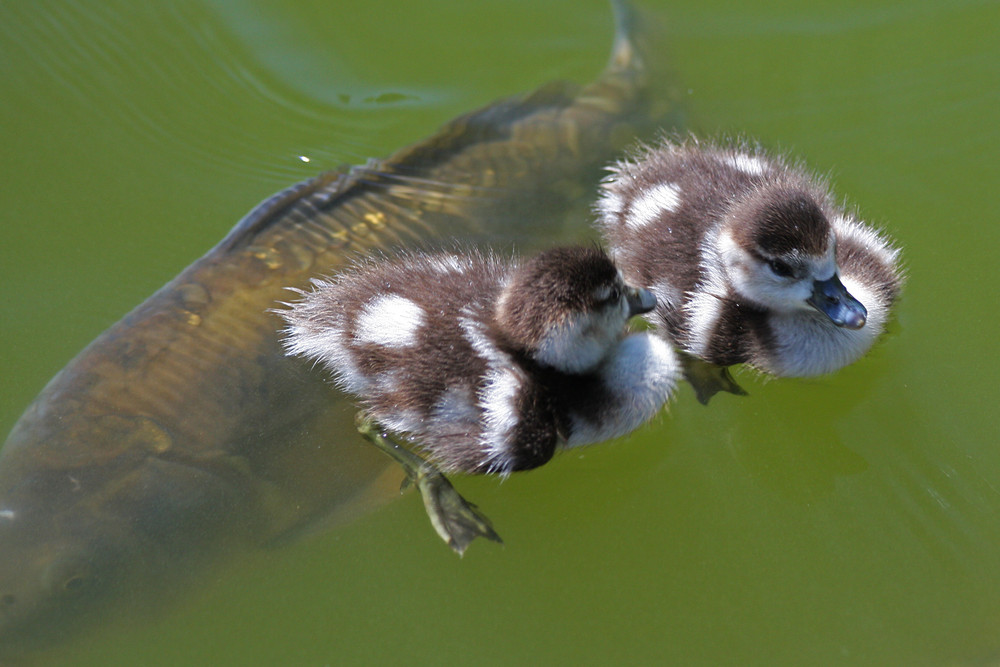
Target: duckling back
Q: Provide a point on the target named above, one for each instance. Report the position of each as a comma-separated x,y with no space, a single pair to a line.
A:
410,337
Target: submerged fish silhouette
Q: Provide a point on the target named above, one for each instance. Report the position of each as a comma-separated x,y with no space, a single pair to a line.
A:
183,434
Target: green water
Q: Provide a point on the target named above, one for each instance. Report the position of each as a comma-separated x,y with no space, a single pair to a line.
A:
851,519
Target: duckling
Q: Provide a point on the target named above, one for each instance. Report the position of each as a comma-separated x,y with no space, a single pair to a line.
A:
750,258
485,365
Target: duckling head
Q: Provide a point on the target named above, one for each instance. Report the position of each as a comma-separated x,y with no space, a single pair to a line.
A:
778,250
567,307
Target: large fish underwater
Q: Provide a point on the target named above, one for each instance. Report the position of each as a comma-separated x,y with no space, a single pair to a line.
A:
183,436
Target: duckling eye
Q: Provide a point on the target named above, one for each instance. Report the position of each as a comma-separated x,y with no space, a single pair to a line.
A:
780,268
607,295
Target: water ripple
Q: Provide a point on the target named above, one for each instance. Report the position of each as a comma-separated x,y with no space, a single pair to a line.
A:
89,51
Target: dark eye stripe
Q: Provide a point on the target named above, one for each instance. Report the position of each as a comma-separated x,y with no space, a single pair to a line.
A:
778,267
781,269
614,295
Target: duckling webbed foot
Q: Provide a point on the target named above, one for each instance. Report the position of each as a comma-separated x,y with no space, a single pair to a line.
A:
708,379
455,519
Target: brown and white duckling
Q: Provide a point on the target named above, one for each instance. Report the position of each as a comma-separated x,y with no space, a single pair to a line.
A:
750,258
488,365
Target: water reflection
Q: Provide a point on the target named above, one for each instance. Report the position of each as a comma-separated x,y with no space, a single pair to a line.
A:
87,51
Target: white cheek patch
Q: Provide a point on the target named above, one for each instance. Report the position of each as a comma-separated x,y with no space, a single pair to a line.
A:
578,345
566,348
663,198
748,164
754,281
810,344
390,320
639,375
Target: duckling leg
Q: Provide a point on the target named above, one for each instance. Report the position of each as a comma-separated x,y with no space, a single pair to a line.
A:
708,379
455,519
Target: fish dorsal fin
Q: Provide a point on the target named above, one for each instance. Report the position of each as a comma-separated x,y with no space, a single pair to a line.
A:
275,208
459,180
491,175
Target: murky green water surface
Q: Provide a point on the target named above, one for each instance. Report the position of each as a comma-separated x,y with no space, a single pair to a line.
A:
851,519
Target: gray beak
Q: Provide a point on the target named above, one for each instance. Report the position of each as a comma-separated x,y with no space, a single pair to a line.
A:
639,301
831,298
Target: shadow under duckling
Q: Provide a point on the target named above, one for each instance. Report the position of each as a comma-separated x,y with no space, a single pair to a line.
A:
486,365
751,259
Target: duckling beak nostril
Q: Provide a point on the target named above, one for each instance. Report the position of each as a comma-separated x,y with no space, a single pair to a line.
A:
639,301
831,298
